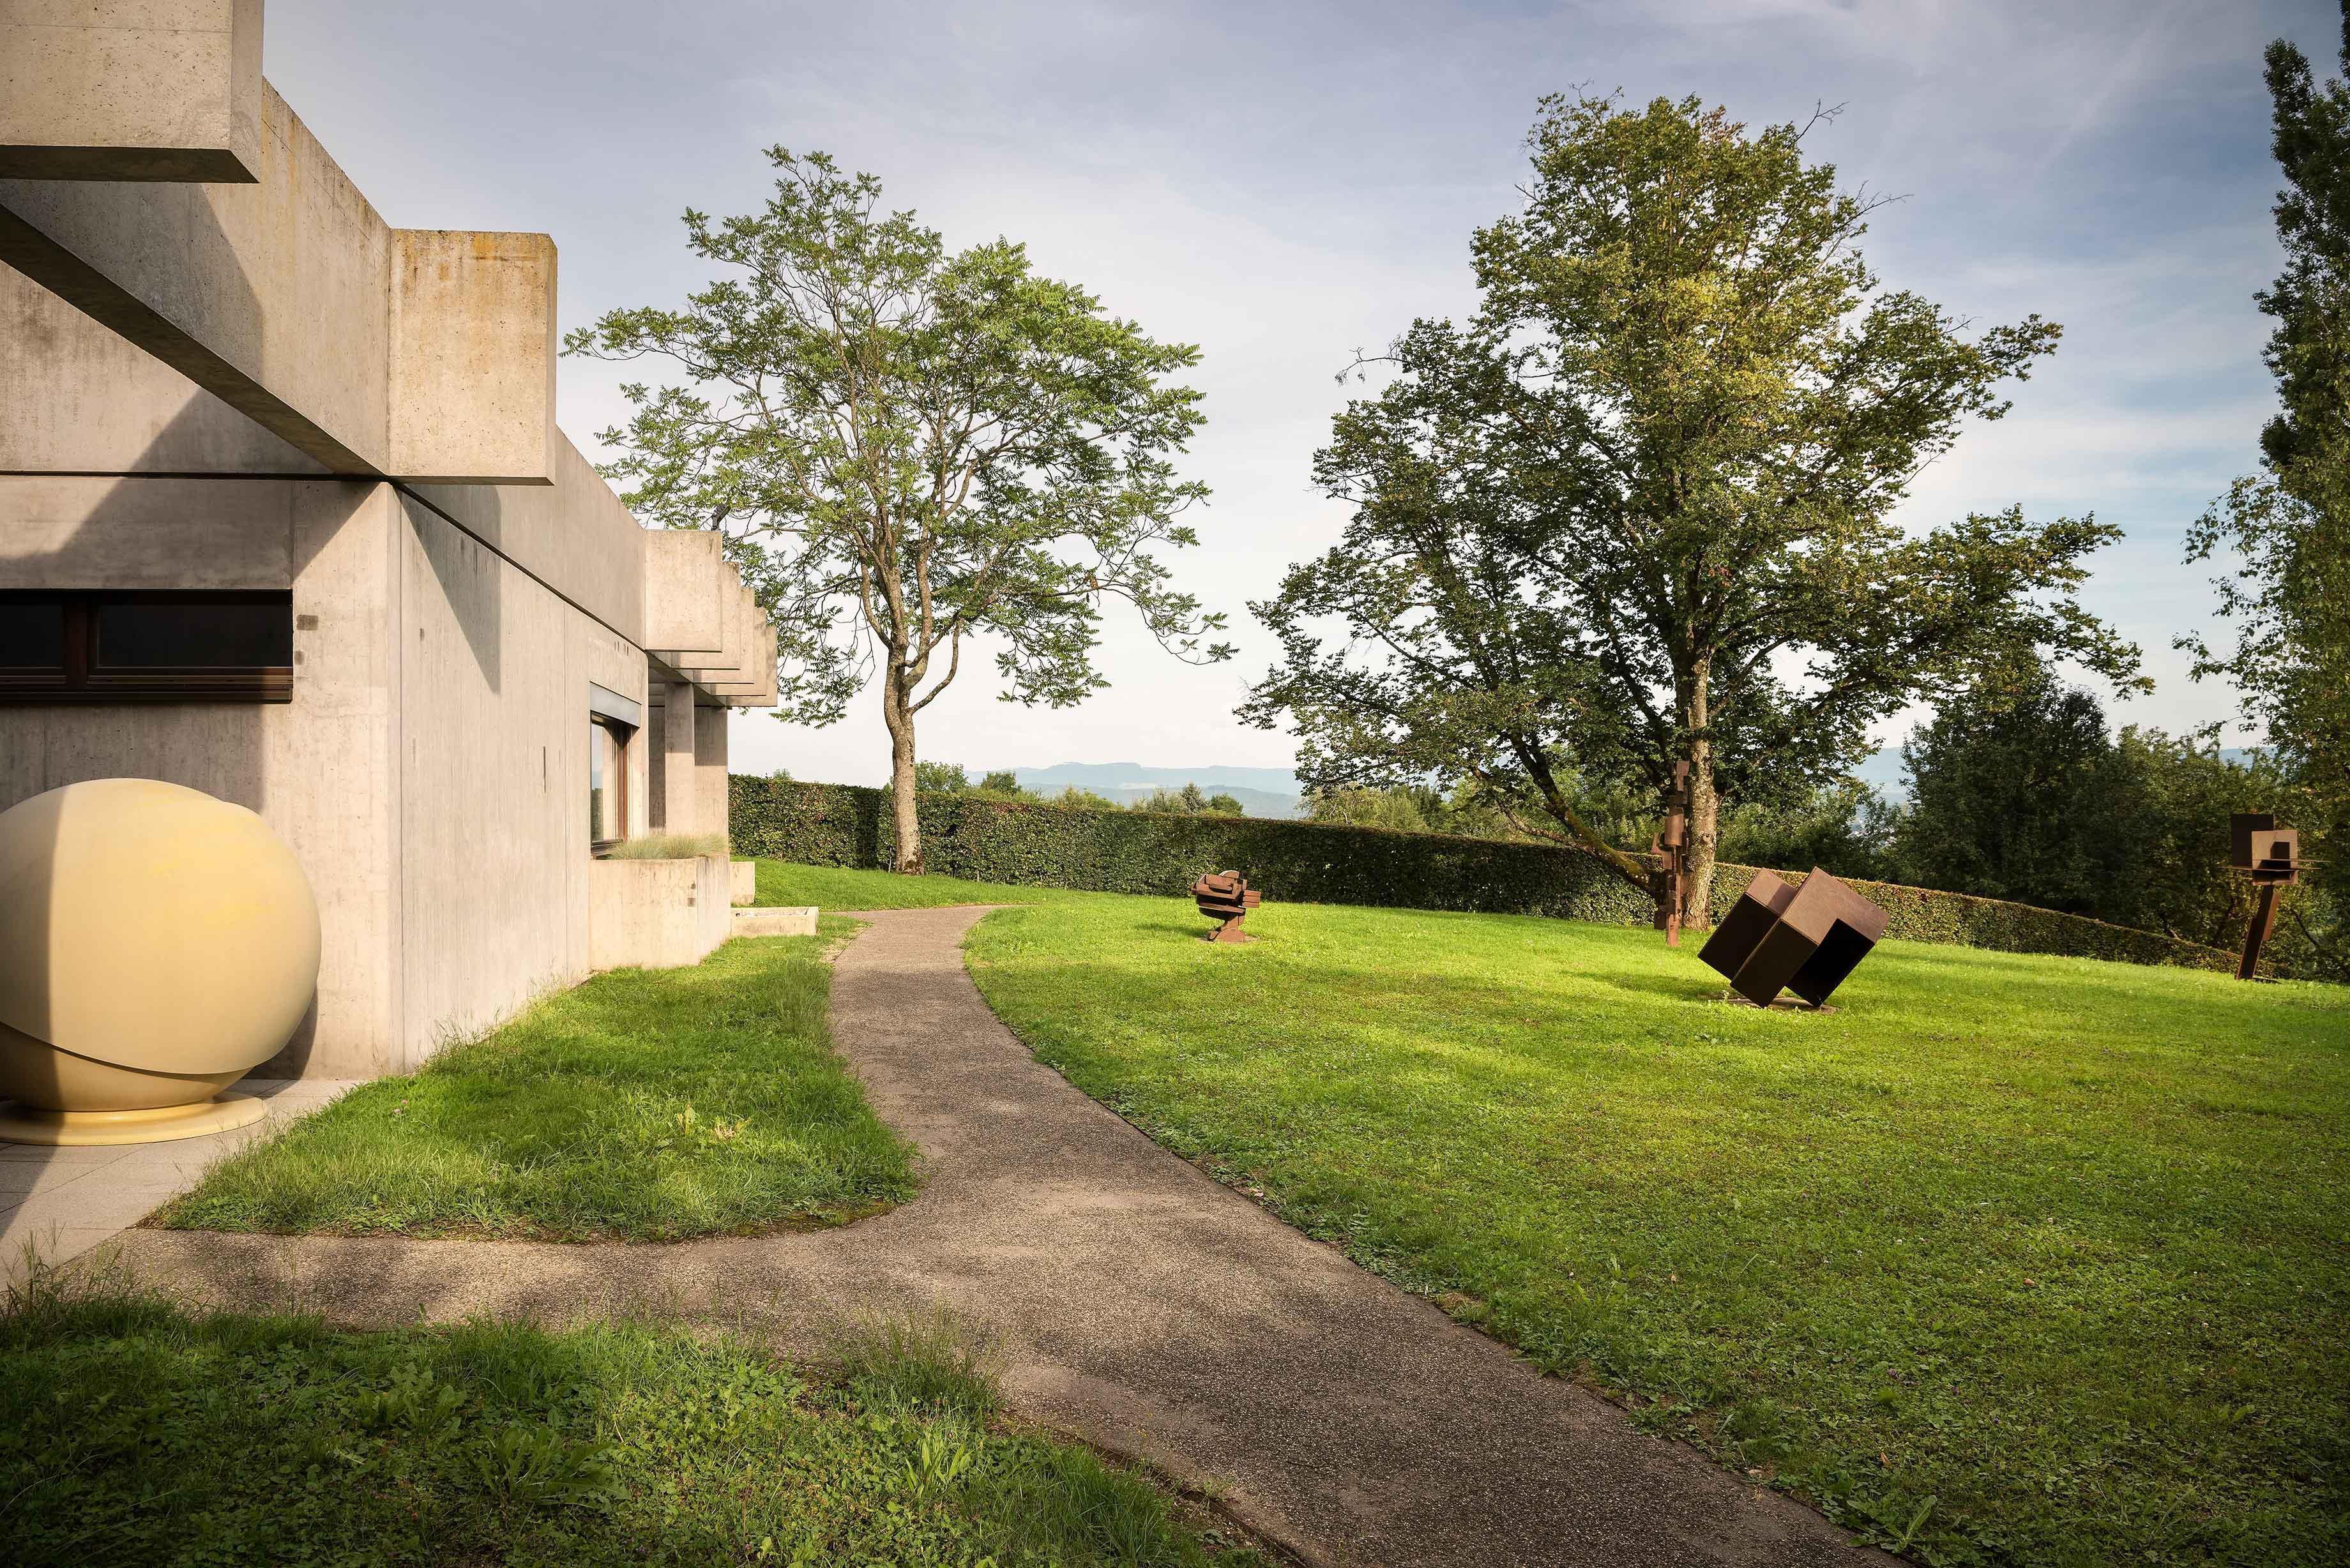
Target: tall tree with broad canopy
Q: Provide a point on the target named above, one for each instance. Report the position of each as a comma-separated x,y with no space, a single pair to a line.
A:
1637,510
2288,529
907,451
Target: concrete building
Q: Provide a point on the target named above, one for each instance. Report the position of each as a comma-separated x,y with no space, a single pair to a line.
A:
285,516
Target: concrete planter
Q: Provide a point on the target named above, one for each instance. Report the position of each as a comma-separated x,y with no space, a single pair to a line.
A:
656,914
743,888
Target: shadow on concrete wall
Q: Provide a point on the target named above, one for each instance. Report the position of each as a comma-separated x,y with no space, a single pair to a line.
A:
125,539
468,573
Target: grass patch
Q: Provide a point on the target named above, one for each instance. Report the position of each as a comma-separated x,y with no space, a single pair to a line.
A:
668,847
838,888
133,1434
643,1106
2009,1260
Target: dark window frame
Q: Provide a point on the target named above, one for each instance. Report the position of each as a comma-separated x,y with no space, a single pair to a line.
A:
84,678
622,732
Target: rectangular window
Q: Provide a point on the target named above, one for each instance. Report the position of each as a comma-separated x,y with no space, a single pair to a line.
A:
147,647
33,638
608,782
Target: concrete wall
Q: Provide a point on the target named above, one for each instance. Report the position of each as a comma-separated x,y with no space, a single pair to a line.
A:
415,354
163,89
657,914
572,535
220,368
268,294
78,397
317,769
492,733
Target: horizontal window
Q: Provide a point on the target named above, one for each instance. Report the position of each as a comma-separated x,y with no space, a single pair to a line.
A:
147,647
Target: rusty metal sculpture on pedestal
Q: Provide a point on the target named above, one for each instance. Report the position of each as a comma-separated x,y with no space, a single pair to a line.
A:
2271,856
1670,846
1804,939
1226,896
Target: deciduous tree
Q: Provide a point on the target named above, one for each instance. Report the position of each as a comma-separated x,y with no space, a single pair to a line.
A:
2286,530
1638,508
909,450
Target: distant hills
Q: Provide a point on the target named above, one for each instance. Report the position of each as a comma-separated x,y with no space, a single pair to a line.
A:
1261,792
1275,792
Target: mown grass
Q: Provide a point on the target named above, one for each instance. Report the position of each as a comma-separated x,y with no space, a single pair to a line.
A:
834,887
134,1434
2008,1260
645,1104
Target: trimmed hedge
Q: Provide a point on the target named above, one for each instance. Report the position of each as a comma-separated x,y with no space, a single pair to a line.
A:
1102,851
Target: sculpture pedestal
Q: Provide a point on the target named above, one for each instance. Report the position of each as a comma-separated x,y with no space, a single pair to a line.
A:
25,1124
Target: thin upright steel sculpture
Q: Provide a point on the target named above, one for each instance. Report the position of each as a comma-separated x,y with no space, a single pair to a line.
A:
2270,856
1669,845
1805,939
1225,896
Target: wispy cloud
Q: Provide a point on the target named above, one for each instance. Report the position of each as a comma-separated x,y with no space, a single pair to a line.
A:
1281,183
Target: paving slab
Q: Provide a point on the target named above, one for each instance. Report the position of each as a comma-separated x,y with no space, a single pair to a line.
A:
57,1203
1134,1302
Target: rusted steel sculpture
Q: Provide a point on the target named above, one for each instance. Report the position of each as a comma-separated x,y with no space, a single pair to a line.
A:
2270,856
1669,845
1226,896
1804,939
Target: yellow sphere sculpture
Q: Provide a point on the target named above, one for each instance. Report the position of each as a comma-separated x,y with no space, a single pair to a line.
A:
155,946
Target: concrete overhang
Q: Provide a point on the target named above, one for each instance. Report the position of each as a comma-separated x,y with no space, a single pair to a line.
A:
759,691
686,580
732,660
422,354
160,90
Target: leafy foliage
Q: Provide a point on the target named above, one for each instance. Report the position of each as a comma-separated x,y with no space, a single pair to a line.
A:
1189,801
1842,826
909,450
1637,510
2287,530
2021,794
2010,794
1143,852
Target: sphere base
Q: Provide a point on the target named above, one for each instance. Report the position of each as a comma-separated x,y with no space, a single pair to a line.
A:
24,1124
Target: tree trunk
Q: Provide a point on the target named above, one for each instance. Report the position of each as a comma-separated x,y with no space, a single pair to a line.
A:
900,722
1705,810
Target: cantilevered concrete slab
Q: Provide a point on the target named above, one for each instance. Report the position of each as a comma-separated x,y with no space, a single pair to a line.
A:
379,353
686,576
755,688
737,634
472,355
107,406
160,90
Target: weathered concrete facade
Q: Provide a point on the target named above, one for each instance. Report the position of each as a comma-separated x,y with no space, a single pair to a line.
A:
261,386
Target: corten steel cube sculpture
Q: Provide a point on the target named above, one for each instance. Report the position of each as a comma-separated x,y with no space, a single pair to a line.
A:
2270,856
1669,845
1804,939
1226,896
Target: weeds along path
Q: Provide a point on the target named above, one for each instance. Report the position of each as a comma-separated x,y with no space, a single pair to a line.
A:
1134,1302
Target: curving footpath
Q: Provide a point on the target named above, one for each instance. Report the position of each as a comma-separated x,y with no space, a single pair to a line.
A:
1136,1302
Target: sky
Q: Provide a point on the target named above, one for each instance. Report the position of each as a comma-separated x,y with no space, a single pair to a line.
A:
1282,185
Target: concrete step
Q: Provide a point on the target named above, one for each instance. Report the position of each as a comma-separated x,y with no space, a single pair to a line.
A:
776,920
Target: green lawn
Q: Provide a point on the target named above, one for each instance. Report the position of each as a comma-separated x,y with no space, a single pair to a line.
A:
832,887
646,1105
132,1434
2008,1260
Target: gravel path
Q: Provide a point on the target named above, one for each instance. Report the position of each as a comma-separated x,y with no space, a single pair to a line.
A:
1135,1302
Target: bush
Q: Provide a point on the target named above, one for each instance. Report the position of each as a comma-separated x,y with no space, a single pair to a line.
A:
1058,846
